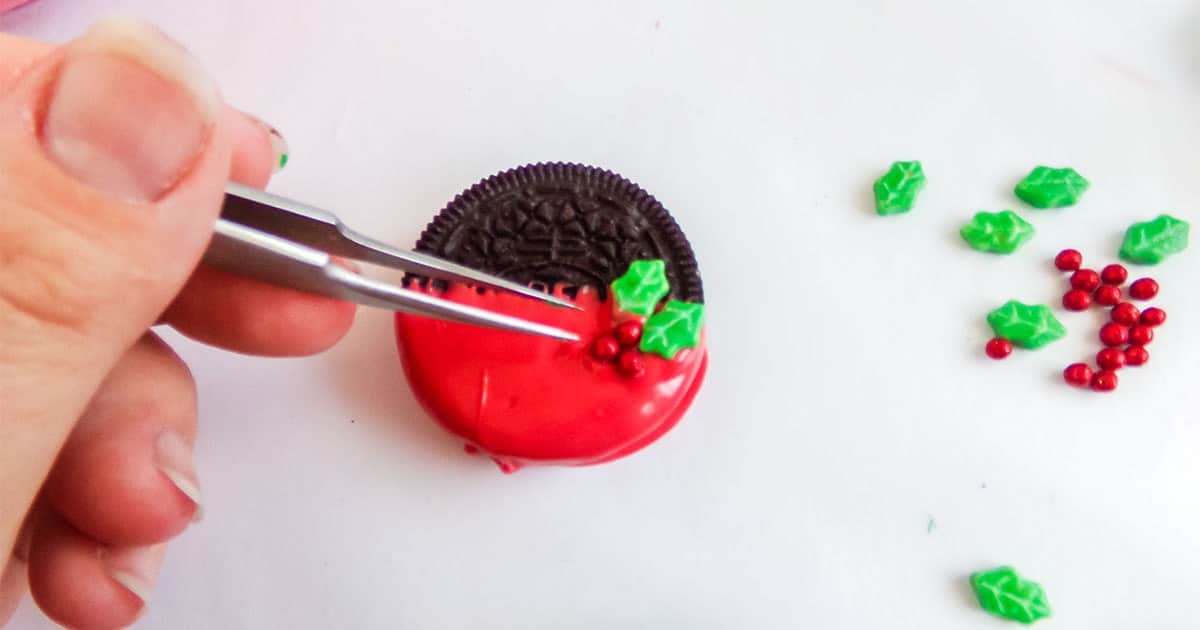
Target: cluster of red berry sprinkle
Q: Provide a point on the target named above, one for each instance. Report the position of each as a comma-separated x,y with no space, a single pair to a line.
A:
1127,327
621,345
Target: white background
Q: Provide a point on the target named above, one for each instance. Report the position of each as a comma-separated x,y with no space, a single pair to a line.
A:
848,400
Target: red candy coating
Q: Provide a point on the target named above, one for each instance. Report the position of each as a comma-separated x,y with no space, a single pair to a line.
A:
527,400
1136,355
1114,275
1077,300
1141,335
1143,289
999,348
1068,260
1125,314
1110,359
1085,280
631,364
605,348
629,333
1108,295
1113,334
1153,316
1078,374
1104,381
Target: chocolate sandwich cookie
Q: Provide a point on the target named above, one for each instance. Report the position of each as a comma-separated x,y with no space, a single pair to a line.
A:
562,224
582,233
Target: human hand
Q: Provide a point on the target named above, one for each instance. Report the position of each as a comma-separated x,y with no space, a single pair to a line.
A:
114,152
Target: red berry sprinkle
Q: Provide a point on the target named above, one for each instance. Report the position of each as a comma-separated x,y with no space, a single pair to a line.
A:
605,348
1078,374
1114,275
999,348
1110,359
629,333
1153,316
1068,260
1141,335
1136,355
1104,381
1108,295
1113,334
1143,289
1077,300
1085,280
631,364
1125,314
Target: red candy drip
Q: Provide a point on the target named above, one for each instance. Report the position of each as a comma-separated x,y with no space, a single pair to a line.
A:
526,400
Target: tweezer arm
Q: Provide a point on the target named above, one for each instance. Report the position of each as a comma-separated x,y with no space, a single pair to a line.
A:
249,252
302,223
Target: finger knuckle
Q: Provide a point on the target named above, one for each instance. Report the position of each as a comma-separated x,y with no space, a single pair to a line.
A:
61,277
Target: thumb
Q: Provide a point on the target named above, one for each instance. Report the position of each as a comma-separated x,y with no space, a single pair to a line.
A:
113,158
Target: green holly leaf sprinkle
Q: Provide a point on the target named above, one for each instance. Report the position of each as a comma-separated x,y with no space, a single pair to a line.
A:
896,191
1027,326
998,232
1150,242
1047,187
1005,594
675,327
640,289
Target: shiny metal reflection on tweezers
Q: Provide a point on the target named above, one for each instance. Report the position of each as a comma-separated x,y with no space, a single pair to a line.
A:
291,244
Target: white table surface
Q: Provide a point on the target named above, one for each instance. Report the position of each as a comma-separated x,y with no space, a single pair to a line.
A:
848,400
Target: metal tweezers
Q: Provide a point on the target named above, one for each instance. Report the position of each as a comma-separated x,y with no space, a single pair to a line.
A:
291,244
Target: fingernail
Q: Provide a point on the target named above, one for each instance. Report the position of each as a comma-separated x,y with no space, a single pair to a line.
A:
279,145
130,112
173,455
135,568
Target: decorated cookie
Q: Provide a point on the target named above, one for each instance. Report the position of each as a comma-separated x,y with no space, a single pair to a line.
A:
595,238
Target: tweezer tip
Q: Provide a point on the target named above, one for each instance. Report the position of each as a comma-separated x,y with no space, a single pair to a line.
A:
563,335
550,299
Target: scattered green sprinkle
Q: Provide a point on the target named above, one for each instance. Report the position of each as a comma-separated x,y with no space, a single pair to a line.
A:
1151,242
1006,594
897,189
640,289
675,327
998,232
283,158
1025,325
1047,187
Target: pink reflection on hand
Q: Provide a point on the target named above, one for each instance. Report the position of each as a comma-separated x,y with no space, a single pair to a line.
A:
11,4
